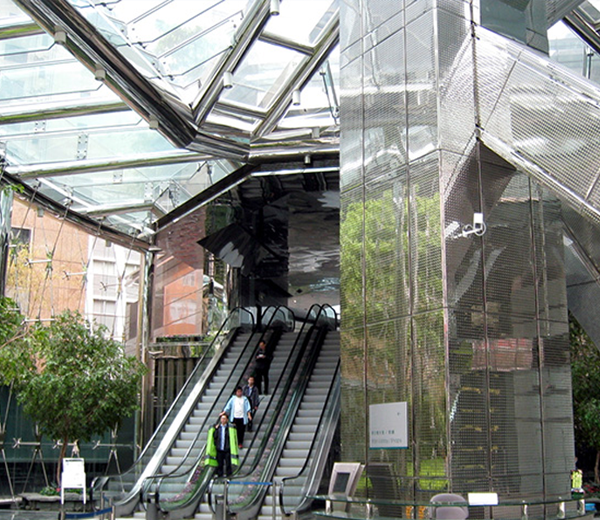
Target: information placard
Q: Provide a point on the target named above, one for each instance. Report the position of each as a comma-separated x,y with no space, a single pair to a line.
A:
73,477
388,425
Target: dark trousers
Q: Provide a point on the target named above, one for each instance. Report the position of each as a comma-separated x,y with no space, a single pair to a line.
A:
260,376
240,428
223,463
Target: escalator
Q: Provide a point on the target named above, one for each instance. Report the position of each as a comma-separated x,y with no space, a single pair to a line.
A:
180,492
306,448
299,442
203,396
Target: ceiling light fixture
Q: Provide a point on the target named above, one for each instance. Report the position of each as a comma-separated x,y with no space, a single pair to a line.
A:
99,73
60,37
227,79
275,5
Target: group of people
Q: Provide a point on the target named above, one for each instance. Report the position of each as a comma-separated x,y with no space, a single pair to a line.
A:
226,438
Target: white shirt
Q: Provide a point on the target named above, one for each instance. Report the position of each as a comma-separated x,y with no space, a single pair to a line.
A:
238,407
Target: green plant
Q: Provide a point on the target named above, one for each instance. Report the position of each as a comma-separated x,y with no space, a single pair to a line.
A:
71,379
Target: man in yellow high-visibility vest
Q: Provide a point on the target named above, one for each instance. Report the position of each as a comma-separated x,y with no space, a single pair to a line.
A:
222,447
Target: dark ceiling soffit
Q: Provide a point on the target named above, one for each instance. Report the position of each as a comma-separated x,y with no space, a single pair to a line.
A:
93,227
210,193
91,48
233,179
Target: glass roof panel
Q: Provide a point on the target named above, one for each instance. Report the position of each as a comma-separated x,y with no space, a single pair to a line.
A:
314,15
42,146
177,44
265,69
10,14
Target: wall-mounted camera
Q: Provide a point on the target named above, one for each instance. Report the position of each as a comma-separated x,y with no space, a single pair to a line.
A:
477,228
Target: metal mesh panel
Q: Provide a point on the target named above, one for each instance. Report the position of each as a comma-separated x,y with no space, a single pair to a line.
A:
386,245
350,20
384,103
425,244
416,8
510,286
457,103
388,379
353,425
463,254
421,87
540,116
380,12
528,426
351,152
548,238
351,258
429,397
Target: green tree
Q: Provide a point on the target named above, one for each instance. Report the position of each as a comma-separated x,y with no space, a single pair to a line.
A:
72,380
585,373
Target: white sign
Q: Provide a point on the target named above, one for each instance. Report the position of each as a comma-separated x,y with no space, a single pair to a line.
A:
73,477
388,425
483,499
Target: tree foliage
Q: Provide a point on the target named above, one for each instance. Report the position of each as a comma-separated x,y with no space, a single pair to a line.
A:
585,372
70,378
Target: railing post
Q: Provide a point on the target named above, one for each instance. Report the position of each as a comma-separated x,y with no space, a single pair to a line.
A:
524,512
225,486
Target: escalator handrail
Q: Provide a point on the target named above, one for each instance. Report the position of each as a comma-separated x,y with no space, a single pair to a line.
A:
281,402
274,417
285,427
174,408
332,388
191,468
288,419
184,458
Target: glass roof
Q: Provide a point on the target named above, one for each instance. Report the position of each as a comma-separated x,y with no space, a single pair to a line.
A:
123,110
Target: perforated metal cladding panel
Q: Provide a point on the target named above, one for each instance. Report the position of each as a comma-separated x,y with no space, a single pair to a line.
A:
353,397
389,370
457,103
540,117
386,243
510,283
464,264
430,412
384,105
548,237
351,258
425,226
350,20
351,127
421,87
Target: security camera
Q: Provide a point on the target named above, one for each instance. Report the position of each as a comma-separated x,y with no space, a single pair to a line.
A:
478,228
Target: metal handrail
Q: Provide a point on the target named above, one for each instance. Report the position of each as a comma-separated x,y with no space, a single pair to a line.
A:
287,421
175,472
167,420
332,389
194,466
